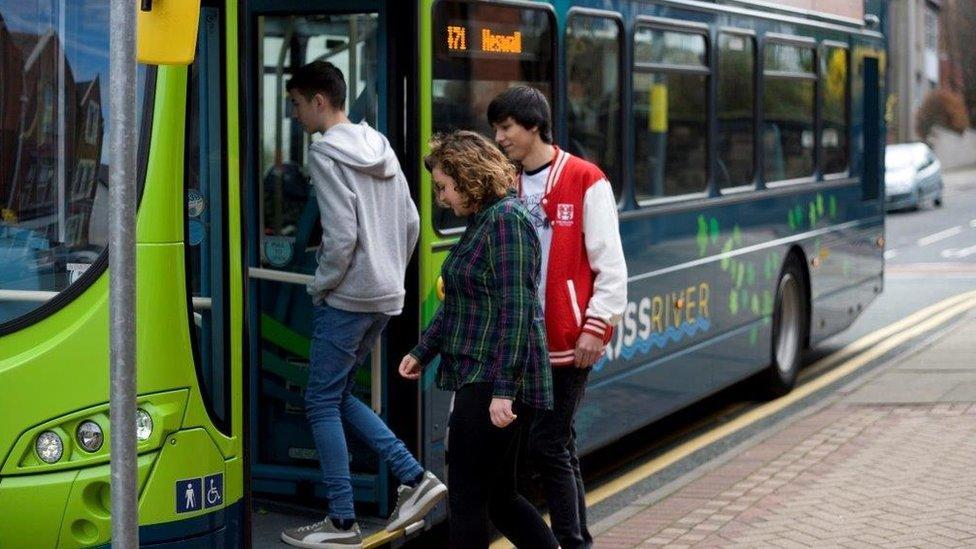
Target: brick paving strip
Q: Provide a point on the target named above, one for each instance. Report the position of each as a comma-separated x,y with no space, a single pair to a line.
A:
856,473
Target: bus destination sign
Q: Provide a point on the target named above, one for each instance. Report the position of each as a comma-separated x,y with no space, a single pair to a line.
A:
477,39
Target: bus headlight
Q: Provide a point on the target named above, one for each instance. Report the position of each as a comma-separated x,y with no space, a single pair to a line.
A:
90,436
49,447
144,425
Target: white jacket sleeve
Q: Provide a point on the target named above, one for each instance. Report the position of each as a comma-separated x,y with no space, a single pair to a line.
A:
601,234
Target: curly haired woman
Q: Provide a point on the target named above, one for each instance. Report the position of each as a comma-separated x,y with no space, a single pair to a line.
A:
491,339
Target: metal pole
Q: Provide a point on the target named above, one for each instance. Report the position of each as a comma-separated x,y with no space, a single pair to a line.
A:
122,283
62,130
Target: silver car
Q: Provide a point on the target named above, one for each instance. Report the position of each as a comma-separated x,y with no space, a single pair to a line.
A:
913,176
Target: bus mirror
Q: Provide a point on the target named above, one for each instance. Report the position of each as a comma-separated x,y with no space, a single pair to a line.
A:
166,31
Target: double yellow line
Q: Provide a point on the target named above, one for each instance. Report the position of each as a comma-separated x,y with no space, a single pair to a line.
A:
839,363
857,354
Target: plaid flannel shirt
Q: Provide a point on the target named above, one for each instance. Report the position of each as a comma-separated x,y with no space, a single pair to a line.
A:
490,326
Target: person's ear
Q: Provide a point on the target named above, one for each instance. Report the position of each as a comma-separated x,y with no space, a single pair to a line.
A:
320,101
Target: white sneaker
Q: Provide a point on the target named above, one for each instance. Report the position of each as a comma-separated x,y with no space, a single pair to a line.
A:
323,535
413,504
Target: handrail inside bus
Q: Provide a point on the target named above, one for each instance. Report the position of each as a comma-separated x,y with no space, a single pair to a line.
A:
40,296
376,362
34,296
279,276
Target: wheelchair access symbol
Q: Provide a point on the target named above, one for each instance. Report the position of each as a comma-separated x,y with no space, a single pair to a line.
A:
214,485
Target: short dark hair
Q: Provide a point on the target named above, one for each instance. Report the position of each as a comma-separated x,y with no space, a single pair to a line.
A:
527,106
319,77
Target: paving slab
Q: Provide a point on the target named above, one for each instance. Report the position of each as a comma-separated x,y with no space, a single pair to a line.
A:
891,463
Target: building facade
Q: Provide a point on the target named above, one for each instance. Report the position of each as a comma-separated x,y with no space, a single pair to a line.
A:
913,43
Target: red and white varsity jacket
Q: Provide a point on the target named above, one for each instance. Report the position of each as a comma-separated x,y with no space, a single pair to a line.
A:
586,284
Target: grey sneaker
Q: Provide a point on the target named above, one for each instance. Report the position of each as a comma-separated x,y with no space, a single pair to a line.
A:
413,504
323,535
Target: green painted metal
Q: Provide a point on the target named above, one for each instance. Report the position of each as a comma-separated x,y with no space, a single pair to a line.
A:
187,454
278,333
430,260
87,517
30,519
165,409
59,366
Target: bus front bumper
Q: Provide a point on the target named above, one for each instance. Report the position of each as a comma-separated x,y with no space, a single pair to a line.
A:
72,507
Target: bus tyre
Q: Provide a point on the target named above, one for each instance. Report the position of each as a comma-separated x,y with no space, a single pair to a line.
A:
789,331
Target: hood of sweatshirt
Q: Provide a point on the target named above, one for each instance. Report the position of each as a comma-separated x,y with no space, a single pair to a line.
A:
361,148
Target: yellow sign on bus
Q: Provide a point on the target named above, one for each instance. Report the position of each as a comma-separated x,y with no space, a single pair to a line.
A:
457,38
501,43
658,121
166,34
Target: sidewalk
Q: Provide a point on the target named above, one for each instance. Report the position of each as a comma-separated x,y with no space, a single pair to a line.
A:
960,179
889,461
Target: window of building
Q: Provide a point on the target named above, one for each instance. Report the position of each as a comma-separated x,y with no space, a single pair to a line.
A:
670,112
51,227
83,178
735,109
93,123
834,83
788,106
593,93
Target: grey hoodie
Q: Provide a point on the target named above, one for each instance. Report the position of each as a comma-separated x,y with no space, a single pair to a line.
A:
369,222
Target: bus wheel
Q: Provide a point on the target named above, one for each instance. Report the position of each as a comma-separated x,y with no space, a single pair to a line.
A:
789,329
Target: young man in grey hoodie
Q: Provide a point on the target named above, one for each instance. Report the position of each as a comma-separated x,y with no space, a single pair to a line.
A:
369,230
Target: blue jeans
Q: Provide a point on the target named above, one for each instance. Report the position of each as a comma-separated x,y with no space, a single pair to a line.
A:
340,342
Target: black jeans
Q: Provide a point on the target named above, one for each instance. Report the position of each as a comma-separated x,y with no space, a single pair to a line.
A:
552,443
481,476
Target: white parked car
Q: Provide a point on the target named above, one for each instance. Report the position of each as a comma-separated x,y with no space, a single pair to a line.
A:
913,176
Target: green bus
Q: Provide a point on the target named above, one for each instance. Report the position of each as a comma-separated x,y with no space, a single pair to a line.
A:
742,138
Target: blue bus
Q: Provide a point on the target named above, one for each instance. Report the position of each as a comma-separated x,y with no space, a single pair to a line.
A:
743,140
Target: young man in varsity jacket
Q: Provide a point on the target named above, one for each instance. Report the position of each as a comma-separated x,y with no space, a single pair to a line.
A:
583,287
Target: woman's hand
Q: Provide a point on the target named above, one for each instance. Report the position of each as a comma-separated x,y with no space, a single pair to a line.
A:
410,367
500,411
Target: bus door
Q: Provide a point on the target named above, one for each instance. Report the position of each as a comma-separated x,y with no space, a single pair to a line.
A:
284,231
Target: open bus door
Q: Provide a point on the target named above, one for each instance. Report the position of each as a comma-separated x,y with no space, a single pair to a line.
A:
283,230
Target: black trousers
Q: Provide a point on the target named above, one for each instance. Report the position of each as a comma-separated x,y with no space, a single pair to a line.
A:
552,446
481,462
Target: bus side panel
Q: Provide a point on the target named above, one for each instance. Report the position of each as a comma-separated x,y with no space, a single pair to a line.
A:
701,296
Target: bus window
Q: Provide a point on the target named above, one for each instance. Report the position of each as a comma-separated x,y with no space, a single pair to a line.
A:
53,148
480,50
290,228
735,110
833,137
205,223
593,93
788,104
670,113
